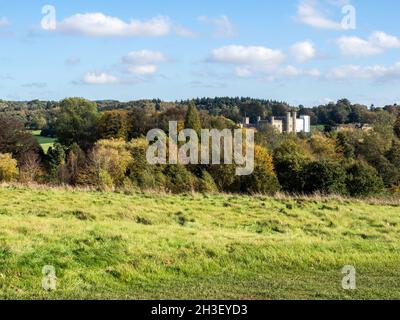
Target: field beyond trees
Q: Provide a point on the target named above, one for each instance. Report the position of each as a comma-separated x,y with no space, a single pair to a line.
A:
159,246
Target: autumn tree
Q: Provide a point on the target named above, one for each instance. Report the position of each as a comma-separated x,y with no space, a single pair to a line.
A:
8,167
114,125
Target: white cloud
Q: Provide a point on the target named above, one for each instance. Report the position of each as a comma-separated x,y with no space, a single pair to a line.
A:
100,78
144,57
143,69
291,71
377,43
249,59
377,72
354,46
243,72
101,25
224,28
309,14
303,51
264,63
143,62
384,40
4,22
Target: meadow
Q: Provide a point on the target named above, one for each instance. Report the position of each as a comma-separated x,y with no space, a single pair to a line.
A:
45,142
194,246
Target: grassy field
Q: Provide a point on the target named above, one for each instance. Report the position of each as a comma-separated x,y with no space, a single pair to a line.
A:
148,246
45,142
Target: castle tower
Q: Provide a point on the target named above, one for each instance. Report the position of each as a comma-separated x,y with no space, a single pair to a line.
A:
288,123
294,119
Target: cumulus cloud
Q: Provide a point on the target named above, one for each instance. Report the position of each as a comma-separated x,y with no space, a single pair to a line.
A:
132,66
303,51
248,59
310,14
101,25
224,28
377,43
4,22
377,72
264,63
100,78
143,62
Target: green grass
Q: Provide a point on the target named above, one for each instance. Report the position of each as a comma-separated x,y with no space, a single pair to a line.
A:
44,142
147,246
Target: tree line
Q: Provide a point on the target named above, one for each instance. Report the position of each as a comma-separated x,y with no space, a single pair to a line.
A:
39,115
106,150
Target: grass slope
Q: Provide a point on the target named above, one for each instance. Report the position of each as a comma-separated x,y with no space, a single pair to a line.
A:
106,245
44,142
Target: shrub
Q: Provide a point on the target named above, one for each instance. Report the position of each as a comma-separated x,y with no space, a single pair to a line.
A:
8,168
179,179
207,183
142,174
363,180
263,179
289,162
112,157
324,177
105,181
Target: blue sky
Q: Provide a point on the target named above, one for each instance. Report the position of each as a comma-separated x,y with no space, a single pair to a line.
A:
295,50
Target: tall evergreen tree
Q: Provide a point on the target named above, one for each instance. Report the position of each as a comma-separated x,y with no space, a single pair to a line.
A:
192,120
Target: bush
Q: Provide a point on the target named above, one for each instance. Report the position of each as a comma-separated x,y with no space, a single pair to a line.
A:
207,183
141,173
289,162
363,180
8,168
179,179
263,179
105,181
324,177
112,157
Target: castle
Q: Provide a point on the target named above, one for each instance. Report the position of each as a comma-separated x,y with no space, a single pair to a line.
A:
289,124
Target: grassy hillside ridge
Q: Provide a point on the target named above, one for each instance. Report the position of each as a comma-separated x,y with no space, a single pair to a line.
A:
145,246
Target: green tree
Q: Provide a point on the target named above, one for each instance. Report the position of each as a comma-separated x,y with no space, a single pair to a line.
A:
324,177
363,180
77,123
192,120
289,162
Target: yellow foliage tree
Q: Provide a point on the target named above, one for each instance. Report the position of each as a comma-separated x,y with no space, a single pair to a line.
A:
8,168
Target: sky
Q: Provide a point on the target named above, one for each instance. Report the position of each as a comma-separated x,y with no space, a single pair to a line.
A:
305,52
